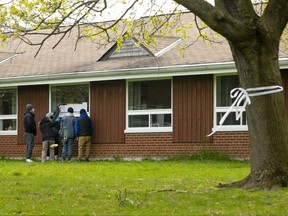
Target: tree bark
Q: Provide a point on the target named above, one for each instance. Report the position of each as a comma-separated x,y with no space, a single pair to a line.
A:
254,42
257,63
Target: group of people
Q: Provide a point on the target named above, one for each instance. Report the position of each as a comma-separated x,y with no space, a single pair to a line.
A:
53,128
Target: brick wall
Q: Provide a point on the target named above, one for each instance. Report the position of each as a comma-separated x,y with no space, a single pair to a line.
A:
139,145
235,144
10,148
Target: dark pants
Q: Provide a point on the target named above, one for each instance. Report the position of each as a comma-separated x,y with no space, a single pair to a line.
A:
67,146
29,144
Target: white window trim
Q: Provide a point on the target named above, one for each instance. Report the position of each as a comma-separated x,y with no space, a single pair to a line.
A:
224,109
148,112
9,117
76,114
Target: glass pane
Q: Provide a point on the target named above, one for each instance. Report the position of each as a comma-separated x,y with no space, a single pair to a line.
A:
8,101
230,120
224,86
8,124
76,96
139,121
153,94
244,118
161,120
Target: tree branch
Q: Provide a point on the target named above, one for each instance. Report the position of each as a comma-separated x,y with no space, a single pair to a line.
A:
218,19
276,16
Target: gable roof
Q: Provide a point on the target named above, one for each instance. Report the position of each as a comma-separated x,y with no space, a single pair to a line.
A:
128,49
67,63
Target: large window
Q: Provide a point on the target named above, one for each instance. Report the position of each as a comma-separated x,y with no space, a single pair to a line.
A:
8,111
76,96
224,85
149,106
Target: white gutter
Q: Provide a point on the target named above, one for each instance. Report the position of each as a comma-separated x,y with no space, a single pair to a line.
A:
135,73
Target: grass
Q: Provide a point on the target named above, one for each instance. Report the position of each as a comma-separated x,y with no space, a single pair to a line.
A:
172,187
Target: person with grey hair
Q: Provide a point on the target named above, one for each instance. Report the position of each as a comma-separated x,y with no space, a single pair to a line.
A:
48,137
30,130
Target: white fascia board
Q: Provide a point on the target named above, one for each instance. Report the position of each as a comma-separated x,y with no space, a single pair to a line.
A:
135,73
283,63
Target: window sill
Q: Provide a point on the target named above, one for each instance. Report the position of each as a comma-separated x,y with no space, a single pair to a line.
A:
8,133
230,128
149,130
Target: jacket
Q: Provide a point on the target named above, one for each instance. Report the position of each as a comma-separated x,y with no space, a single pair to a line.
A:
29,123
68,125
83,126
46,127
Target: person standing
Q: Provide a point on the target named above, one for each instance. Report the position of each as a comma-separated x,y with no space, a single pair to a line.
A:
67,129
83,129
56,128
30,130
48,137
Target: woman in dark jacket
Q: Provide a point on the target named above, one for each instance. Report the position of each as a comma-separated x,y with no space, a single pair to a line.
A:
48,137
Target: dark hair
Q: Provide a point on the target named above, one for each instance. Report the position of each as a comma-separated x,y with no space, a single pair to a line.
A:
70,110
82,111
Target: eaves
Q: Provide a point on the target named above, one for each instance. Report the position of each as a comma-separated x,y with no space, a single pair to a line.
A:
135,73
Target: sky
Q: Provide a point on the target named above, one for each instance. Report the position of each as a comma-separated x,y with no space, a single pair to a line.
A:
142,10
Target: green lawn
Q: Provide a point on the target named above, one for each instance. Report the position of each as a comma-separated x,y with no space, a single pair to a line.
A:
176,187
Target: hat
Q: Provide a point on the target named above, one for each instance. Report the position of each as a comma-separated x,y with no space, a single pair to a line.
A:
70,110
29,107
49,115
82,111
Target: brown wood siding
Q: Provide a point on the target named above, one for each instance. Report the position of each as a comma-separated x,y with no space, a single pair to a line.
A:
39,97
108,111
192,108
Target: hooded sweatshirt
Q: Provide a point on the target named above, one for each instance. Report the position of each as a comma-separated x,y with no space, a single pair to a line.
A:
83,125
68,124
46,126
29,122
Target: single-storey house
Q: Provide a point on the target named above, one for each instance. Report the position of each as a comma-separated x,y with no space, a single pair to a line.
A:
143,101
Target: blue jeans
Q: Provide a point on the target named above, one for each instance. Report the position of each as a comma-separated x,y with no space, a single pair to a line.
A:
68,143
29,144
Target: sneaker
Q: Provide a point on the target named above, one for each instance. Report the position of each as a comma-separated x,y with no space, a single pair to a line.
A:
47,158
29,160
53,145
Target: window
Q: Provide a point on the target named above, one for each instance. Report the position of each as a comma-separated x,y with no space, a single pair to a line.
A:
149,106
76,96
8,111
224,85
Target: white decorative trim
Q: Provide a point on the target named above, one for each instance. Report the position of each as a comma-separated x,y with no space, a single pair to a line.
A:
243,95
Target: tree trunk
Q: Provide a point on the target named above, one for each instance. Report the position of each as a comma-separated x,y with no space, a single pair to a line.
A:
257,64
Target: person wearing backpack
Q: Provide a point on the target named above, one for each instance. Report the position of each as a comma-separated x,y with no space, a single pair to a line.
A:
67,132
